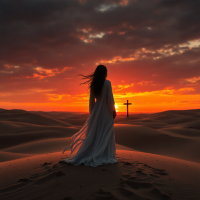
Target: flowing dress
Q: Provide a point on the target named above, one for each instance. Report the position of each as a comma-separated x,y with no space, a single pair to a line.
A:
94,144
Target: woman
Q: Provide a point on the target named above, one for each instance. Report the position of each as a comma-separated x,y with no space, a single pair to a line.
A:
94,144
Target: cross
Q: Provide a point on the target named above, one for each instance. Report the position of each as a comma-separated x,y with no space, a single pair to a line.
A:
127,106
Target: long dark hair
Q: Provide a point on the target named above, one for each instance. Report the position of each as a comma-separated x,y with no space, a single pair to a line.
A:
96,79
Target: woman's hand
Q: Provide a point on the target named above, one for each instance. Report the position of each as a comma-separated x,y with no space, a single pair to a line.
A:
114,114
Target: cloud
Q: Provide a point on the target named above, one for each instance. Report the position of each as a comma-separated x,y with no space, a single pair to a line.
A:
153,45
56,97
165,92
43,73
122,87
193,80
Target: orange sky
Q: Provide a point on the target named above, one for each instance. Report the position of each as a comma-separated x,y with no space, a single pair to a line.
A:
152,101
150,48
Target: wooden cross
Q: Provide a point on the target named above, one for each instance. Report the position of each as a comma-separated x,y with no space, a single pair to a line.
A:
127,106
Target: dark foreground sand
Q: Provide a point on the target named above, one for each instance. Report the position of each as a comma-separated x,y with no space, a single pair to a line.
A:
158,157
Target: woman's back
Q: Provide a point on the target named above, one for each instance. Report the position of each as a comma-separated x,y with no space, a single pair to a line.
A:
94,144
105,100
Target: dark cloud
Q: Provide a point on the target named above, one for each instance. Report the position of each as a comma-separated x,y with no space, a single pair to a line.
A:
51,33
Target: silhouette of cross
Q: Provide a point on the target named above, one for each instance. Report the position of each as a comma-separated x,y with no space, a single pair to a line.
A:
127,106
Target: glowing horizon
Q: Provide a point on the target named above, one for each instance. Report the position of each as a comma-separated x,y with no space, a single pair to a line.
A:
152,59
155,101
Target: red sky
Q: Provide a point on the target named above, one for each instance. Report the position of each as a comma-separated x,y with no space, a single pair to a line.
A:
151,50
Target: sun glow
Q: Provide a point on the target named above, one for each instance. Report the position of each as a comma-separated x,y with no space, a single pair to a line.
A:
116,108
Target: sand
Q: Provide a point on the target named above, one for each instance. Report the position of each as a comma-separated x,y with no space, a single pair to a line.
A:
158,157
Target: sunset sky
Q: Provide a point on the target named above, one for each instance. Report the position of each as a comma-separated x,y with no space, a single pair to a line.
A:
151,49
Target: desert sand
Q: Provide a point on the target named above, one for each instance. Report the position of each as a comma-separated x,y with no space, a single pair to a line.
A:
158,157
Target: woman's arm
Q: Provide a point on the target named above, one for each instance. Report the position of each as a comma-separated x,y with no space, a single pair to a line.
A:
91,102
111,102
114,114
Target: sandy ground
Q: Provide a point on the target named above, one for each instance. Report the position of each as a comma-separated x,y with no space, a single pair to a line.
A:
158,157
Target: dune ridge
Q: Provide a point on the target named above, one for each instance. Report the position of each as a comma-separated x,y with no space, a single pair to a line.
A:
170,133
156,153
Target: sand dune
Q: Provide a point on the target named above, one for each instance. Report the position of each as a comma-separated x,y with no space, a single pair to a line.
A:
8,127
194,113
176,119
158,157
32,118
9,140
5,156
76,119
170,133
193,125
183,132
48,146
158,142
137,176
40,147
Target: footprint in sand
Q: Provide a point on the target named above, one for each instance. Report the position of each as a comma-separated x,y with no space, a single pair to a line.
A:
101,194
140,185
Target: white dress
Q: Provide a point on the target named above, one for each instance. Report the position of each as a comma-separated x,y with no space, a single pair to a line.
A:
94,144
